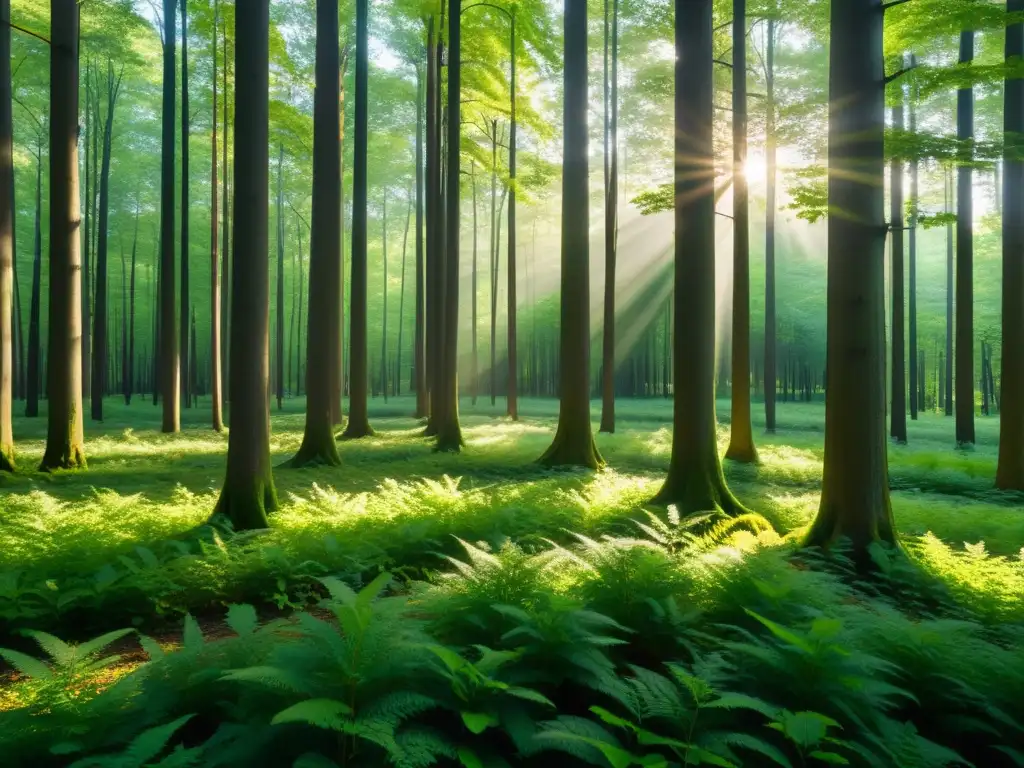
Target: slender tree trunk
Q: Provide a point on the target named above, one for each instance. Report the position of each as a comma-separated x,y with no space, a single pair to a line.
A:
965,260
475,371
155,380
855,488
915,405
338,363
90,130
741,440
950,288
434,254
169,364
358,420
611,223
248,494
129,360
318,445
495,255
449,432
419,382
183,341
300,380
279,340
7,277
1010,469
574,441
512,392
216,392
292,389
225,258
401,300
65,441
18,322
384,313
695,480
898,365
33,373
770,344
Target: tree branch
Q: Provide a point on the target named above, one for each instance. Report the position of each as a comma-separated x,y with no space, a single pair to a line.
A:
900,72
26,31
723,63
893,4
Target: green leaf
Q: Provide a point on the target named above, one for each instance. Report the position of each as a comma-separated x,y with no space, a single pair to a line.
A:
192,637
805,729
323,713
150,743
339,590
151,647
242,619
829,757
147,557
781,632
619,758
372,591
27,665
60,652
469,760
710,758
478,722
1013,754
266,675
754,744
101,642
611,719
451,659
742,701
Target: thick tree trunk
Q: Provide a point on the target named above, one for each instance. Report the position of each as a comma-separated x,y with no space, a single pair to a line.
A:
6,245
855,487
318,445
419,379
512,392
449,432
169,365
248,494
611,221
216,391
279,336
65,441
965,260
1010,469
898,364
770,346
225,257
129,359
695,481
183,340
574,441
358,419
741,440
915,403
34,357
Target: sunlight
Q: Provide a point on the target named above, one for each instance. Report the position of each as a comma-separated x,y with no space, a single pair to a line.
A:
755,168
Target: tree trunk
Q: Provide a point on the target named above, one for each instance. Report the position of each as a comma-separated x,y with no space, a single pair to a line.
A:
950,288
89,133
915,378
495,255
419,382
611,221
449,432
770,345
358,420
129,347
338,365
855,486
1010,469
318,445
401,300
475,354
512,393
248,494
965,260
434,248
898,366
216,392
279,361
384,312
225,258
183,340
574,441
33,373
741,440
299,379
6,245
168,321
65,441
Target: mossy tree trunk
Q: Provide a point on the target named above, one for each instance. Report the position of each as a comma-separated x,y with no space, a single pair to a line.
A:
574,441
169,365
898,365
695,480
741,441
358,419
318,445
1010,470
65,439
248,495
855,487
965,259
6,244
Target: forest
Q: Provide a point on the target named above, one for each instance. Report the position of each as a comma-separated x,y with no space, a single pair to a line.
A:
495,383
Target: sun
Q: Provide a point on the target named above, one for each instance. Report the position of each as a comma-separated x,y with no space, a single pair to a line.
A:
754,169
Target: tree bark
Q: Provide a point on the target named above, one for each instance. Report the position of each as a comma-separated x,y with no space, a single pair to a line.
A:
770,323
474,385
33,374
434,247
358,419
65,441
449,432
401,300
915,402
225,257
384,311
338,363
318,445
574,441
216,391
248,494
169,366
495,256
279,336
512,392
6,245
1010,469
90,128
419,382
129,359
183,339
611,222
965,260
950,289
855,487
741,440
898,366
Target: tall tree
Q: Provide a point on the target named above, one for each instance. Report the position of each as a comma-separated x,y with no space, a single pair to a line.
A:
318,445
419,383
512,394
34,356
1010,469
129,360
248,494
6,244
89,124
898,412
65,440
358,419
101,351
384,309
279,336
225,256
855,486
695,480
965,257
741,440
449,432
337,367
401,298
950,290
916,402
168,321
216,391
611,216
574,440
770,346
474,375
183,340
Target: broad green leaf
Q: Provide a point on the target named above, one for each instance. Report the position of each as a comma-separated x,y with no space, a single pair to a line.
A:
754,744
151,647
611,719
478,722
273,677
323,713
372,591
469,760
619,758
339,590
806,729
451,659
27,665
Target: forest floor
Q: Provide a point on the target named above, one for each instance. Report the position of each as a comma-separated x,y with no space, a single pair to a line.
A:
126,543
